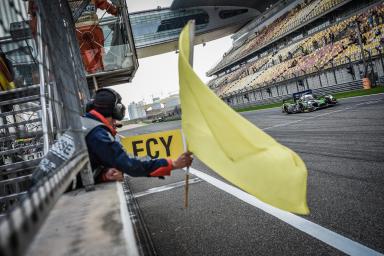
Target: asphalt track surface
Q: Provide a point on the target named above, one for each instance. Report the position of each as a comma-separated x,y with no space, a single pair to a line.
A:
343,148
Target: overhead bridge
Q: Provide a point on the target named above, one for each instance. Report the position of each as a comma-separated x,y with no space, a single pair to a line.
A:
111,43
157,31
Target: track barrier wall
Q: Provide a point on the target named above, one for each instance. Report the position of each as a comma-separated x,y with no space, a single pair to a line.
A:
330,81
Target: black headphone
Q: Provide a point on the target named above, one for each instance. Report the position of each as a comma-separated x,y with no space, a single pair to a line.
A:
118,111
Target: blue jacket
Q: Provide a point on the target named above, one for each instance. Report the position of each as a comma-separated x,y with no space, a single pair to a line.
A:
105,151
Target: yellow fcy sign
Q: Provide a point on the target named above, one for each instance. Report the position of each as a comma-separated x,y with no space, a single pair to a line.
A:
168,144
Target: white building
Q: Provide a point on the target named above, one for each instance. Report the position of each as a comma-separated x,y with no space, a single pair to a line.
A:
171,102
136,110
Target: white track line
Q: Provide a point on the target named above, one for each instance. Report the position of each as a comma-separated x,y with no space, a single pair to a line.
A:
301,120
165,187
327,236
342,99
316,116
130,240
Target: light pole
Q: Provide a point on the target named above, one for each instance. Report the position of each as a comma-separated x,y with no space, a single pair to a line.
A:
358,32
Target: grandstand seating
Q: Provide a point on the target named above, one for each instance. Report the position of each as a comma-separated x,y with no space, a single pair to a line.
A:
227,78
288,22
353,50
302,57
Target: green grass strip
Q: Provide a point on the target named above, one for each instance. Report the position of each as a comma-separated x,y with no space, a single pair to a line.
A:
341,95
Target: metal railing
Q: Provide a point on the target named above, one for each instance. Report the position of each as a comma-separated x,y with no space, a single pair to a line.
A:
19,226
42,146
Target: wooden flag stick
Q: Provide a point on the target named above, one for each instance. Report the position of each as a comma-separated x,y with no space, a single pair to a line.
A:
186,191
186,188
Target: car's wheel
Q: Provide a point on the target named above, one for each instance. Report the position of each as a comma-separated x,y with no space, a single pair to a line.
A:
301,108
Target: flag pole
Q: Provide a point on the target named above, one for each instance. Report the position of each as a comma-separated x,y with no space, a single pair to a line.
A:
191,45
186,191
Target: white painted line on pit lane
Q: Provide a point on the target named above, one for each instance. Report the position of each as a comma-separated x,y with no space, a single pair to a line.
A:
327,236
165,187
129,235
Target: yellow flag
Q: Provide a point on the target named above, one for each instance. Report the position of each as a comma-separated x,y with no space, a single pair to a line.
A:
235,148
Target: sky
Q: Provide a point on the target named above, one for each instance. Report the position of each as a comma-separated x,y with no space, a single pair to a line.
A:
157,76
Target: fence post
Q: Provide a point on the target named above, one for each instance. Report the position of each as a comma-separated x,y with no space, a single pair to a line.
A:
44,117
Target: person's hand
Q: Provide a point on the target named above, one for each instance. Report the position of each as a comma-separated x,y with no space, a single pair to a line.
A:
113,174
184,160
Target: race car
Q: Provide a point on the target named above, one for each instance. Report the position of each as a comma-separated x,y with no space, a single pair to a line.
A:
306,101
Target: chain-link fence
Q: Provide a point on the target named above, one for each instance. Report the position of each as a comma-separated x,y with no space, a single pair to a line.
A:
43,91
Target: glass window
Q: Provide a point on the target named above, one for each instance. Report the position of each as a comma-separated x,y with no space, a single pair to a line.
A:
149,28
179,22
231,13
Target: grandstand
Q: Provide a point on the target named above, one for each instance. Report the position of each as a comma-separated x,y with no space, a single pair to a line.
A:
313,45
